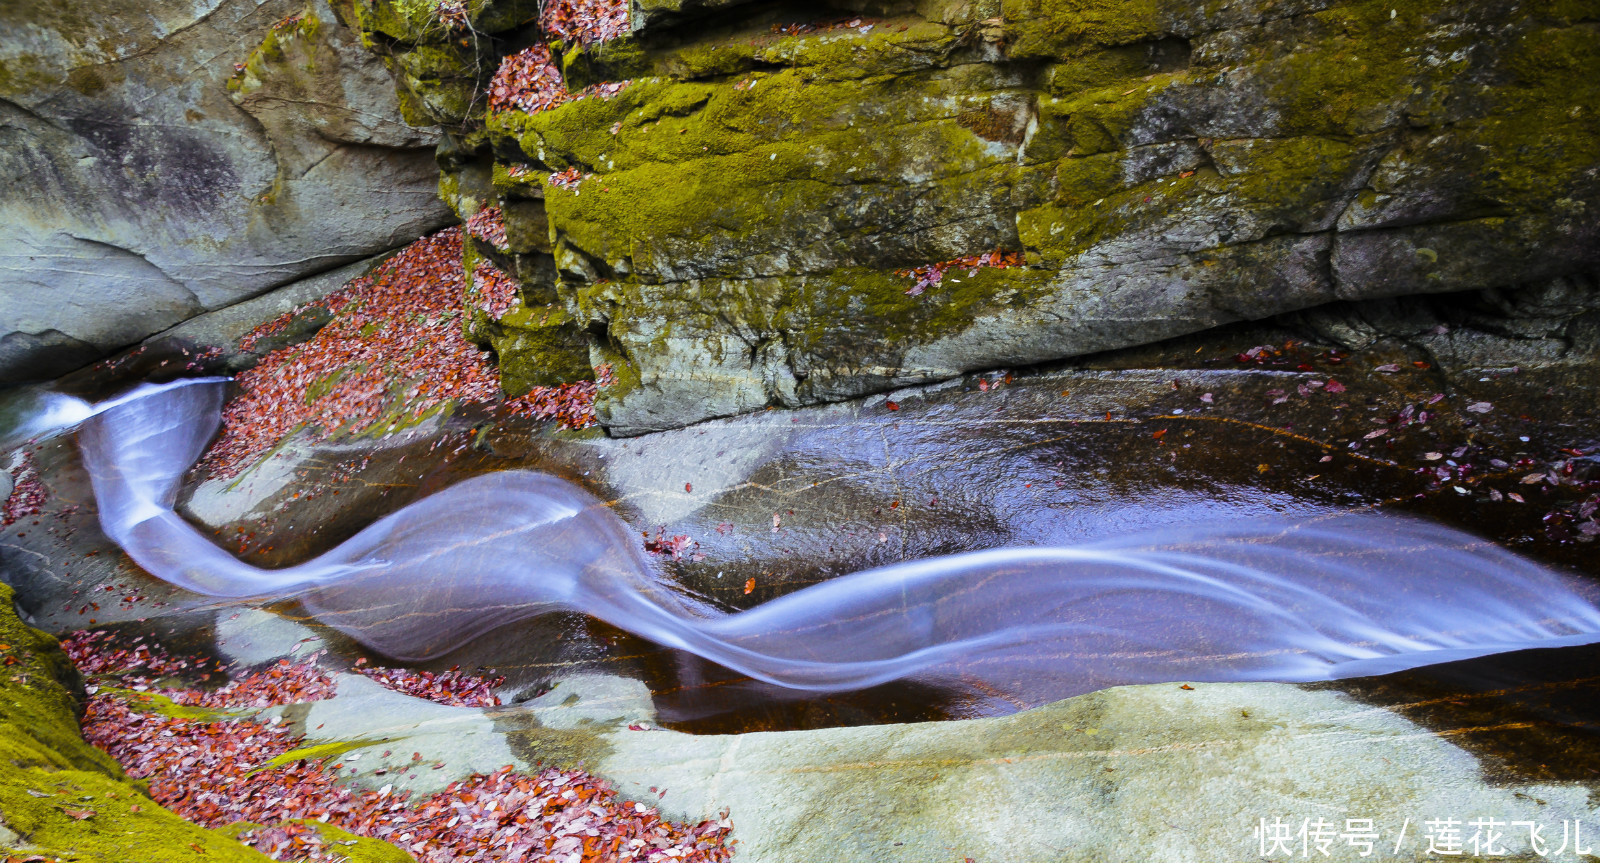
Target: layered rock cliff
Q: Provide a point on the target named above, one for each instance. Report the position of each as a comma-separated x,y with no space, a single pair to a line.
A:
159,159
731,229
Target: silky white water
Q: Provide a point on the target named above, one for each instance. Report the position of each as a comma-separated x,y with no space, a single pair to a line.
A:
1260,599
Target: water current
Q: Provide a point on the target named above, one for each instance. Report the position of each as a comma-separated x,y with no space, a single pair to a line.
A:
1249,599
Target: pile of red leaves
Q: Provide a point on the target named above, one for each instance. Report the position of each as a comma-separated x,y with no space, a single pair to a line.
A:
932,275
217,773
27,492
572,404
393,352
281,683
527,81
585,21
452,14
455,687
292,841
92,653
568,179
489,225
493,291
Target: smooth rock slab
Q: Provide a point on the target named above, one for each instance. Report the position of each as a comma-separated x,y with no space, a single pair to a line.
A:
143,181
1127,774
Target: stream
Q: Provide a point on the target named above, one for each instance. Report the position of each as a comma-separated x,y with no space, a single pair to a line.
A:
1258,598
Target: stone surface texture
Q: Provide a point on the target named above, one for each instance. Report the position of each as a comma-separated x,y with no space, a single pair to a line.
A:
1116,775
163,158
1166,167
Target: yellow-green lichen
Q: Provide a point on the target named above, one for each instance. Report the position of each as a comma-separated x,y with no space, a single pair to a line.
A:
320,751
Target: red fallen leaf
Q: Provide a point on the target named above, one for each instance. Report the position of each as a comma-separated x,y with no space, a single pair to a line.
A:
1186,686
688,487
749,585
894,505
1160,434
1421,364
1334,386
1571,451
894,406
79,814
197,848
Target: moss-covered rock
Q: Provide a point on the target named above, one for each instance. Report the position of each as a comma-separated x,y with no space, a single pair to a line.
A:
61,797
538,341
748,201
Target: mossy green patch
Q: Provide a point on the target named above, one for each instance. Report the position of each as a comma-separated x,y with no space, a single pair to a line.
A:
156,702
1099,120
1068,28
63,798
831,166
319,751
287,47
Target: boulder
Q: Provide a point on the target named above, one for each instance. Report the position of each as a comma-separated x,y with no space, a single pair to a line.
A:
163,159
751,204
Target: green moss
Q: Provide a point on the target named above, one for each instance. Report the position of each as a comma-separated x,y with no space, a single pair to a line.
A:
689,169
288,47
417,21
1095,121
445,81
1096,69
617,60
155,702
892,48
854,315
1290,183
1347,84
536,344
540,346
1069,28
320,751
63,798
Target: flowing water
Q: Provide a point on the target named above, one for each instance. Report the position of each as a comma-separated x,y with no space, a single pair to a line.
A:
1244,599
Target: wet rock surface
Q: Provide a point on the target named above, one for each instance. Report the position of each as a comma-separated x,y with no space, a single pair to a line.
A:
1210,427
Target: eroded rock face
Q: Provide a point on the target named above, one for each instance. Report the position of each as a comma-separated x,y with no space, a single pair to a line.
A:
1166,167
147,179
